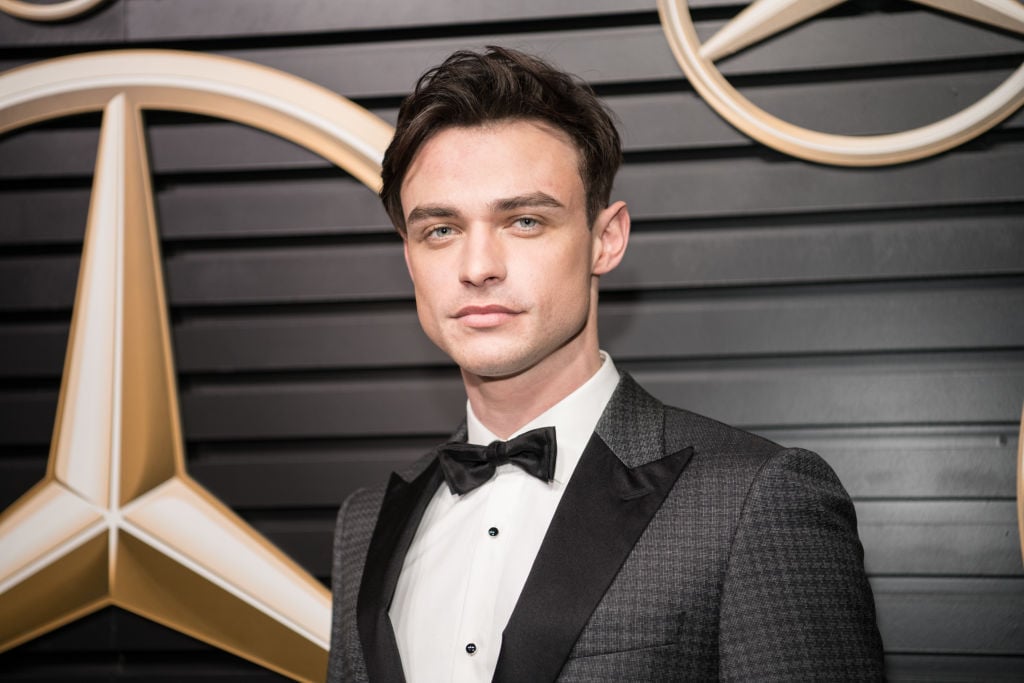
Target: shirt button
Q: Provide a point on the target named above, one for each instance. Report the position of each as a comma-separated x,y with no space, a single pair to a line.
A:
471,648
493,531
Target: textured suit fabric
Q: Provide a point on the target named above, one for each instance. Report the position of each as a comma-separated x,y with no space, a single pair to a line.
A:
749,569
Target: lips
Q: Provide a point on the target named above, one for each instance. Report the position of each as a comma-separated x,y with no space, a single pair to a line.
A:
484,316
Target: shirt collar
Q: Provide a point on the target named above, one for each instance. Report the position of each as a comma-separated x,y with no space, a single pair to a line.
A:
574,418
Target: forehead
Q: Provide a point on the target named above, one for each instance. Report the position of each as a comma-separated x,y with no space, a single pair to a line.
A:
482,163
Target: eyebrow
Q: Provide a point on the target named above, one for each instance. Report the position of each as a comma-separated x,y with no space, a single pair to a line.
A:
538,199
529,200
431,211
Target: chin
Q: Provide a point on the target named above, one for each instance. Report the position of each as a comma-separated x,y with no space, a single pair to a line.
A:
493,370
493,366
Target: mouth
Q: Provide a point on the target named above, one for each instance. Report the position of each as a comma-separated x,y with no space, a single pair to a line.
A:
482,317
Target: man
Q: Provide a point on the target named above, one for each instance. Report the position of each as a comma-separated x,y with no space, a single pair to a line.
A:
658,544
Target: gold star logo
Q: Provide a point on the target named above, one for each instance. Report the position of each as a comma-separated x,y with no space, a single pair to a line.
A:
764,18
117,520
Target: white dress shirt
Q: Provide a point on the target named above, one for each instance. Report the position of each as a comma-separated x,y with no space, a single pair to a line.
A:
472,553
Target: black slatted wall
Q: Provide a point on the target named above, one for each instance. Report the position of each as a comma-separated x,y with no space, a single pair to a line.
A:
874,315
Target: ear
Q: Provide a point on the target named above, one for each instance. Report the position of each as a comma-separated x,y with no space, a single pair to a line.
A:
611,235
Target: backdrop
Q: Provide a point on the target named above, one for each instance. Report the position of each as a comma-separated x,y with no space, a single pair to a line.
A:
874,315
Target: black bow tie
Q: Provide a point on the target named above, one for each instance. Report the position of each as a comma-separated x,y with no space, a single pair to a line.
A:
467,466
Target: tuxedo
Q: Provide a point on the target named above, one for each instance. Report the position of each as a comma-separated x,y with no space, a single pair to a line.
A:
682,549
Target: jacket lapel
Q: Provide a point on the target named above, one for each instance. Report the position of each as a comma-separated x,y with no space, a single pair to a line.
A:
619,484
401,510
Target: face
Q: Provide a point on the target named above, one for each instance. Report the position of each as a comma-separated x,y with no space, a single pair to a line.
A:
501,256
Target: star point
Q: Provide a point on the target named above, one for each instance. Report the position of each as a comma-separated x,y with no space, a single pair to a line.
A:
762,19
117,521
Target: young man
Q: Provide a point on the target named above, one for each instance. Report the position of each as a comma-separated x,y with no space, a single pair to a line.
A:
612,537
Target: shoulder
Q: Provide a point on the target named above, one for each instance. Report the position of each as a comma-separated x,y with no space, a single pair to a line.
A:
707,435
719,450
753,469
755,483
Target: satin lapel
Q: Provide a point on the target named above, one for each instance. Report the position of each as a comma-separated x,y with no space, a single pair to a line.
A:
400,514
604,510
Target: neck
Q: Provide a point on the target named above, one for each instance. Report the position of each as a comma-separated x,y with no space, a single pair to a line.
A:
505,404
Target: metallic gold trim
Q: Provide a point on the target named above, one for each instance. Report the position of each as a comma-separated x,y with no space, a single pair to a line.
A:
57,11
117,520
764,18
279,103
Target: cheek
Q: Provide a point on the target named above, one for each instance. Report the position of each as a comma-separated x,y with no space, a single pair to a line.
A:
566,285
429,322
425,304
423,289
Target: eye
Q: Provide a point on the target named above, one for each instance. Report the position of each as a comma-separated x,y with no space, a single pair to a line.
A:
527,223
440,232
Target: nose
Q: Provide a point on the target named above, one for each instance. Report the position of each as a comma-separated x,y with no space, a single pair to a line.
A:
483,259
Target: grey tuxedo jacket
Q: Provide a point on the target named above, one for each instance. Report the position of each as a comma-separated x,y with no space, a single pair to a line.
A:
682,549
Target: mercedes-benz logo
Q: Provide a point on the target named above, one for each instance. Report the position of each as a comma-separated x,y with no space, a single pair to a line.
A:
117,520
765,18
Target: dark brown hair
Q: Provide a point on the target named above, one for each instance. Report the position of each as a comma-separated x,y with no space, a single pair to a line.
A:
472,89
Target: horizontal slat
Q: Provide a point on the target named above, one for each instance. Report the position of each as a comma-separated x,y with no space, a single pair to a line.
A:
904,247
657,121
103,26
752,186
285,207
915,462
944,388
35,349
17,476
836,391
777,253
934,538
902,668
267,476
38,282
44,216
842,319
822,321
968,616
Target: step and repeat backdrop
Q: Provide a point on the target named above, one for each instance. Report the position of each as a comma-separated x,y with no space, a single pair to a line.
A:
828,249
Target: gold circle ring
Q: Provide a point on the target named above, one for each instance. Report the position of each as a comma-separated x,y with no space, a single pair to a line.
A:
56,12
828,148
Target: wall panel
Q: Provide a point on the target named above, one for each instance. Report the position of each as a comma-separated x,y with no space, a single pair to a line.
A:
872,315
